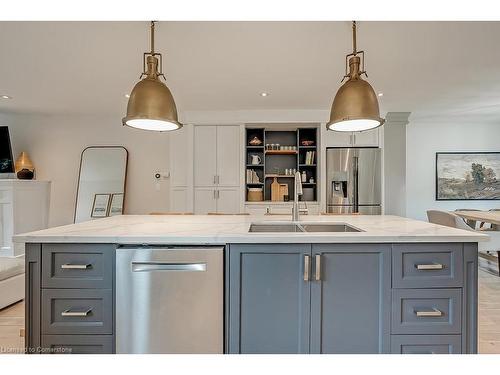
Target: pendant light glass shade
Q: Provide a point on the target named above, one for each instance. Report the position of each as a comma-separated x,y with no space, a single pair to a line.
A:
151,105
355,106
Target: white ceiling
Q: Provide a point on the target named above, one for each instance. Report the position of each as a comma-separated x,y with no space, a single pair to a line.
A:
428,68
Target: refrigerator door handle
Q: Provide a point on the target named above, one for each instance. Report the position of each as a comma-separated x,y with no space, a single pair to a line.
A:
355,200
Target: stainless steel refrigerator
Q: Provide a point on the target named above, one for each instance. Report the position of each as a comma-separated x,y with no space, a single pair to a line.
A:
353,177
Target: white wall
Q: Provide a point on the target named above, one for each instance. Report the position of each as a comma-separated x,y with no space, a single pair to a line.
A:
424,139
394,168
55,143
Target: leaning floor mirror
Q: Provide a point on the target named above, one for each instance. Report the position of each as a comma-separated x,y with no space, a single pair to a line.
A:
101,182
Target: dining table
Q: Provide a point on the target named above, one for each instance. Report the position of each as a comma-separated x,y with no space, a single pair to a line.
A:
491,217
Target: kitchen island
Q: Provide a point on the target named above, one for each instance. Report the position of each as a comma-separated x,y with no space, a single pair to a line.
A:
331,284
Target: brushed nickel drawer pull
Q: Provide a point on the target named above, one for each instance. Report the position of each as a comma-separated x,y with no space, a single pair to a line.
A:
432,313
76,313
318,268
307,267
433,266
76,266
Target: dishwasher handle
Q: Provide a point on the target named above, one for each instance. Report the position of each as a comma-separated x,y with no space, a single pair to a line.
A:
161,266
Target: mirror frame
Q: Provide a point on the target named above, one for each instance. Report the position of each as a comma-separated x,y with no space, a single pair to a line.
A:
80,171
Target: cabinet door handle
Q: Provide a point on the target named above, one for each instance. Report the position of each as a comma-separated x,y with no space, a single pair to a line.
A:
215,194
218,179
218,194
429,313
354,139
76,312
432,266
307,267
68,266
318,268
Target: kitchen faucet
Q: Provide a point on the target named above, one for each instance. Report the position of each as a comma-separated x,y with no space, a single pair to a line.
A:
296,192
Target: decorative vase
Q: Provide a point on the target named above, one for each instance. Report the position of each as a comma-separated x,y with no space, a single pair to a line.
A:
24,167
25,174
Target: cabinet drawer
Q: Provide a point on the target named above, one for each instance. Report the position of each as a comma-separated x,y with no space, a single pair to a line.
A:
77,344
77,266
426,311
427,265
77,311
426,344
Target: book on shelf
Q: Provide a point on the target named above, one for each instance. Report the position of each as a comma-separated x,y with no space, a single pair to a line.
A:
310,155
252,177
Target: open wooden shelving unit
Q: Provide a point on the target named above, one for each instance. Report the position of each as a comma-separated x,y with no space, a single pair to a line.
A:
274,162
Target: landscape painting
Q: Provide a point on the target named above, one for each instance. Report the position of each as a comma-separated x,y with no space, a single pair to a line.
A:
467,176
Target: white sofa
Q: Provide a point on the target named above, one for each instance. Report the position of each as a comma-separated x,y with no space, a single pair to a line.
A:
11,280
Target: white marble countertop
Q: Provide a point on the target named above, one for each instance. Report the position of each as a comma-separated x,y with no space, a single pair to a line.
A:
218,229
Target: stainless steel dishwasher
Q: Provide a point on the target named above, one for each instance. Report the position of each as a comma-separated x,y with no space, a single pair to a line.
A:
169,299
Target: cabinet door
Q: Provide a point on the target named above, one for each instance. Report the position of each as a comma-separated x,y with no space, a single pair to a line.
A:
338,139
269,306
228,200
228,155
204,201
350,304
366,138
205,155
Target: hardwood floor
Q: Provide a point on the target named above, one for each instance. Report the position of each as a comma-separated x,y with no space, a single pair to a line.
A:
11,324
12,318
489,313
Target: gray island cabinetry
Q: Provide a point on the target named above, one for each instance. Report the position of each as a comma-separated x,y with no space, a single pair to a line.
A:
395,286
281,298
341,298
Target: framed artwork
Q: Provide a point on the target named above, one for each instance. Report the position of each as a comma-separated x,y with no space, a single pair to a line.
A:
100,205
116,206
467,176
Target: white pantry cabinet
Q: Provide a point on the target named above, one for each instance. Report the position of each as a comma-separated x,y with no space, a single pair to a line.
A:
216,168
228,155
205,155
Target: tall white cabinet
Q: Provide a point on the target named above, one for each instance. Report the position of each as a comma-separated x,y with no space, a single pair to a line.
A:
216,169
24,207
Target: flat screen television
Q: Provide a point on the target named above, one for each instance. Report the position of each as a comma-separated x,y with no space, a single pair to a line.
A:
6,160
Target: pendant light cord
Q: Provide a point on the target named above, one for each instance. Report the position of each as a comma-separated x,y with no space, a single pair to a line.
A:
152,37
354,51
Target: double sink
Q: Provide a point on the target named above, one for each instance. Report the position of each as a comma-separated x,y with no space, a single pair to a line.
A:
301,227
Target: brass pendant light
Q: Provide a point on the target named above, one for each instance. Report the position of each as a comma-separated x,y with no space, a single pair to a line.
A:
355,106
151,105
